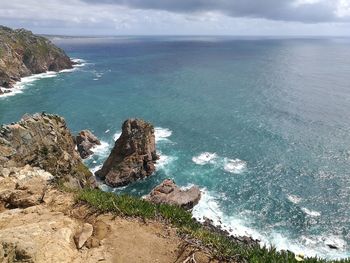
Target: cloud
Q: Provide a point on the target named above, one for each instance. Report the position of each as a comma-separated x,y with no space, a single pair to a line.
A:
178,17
306,11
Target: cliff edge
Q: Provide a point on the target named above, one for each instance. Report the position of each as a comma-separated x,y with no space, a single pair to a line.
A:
22,53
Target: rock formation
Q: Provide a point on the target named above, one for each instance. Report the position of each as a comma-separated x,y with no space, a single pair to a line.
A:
43,141
22,53
133,155
85,141
169,193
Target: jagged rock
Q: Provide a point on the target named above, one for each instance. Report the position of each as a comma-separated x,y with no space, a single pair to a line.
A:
133,155
44,141
22,53
24,187
35,237
169,193
85,141
82,236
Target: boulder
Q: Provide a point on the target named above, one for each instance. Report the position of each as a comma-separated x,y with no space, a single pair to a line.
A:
43,141
169,193
133,156
85,142
23,187
82,236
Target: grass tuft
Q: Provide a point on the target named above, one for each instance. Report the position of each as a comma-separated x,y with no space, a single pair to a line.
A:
223,247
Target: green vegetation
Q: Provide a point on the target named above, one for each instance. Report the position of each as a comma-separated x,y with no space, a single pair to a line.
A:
223,248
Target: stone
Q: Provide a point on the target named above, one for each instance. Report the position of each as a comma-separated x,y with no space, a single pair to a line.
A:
92,242
133,156
43,141
85,141
169,193
82,236
25,187
4,172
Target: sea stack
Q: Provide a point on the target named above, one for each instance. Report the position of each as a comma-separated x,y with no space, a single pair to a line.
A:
133,156
85,142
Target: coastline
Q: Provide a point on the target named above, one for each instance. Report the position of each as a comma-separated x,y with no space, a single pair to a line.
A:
20,85
209,213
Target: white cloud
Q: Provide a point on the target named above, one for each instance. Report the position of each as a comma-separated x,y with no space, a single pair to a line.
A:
76,17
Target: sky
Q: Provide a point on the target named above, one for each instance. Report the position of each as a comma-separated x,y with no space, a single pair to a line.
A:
179,17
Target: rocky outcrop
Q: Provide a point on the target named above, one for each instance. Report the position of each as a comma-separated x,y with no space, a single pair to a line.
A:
22,53
43,141
85,142
133,156
169,193
23,187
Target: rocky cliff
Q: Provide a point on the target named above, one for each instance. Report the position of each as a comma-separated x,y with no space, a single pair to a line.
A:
43,141
133,155
22,53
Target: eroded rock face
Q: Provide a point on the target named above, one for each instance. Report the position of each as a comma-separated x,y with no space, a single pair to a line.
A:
43,141
85,142
133,156
169,193
23,187
22,53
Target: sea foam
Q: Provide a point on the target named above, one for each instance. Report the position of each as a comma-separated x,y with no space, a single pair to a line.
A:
311,246
162,134
28,81
235,166
205,158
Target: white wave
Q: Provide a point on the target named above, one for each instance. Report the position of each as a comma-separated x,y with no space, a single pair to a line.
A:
311,246
117,135
208,207
294,199
164,161
205,158
310,212
80,62
336,241
162,134
235,166
27,81
101,150
95,168
68,70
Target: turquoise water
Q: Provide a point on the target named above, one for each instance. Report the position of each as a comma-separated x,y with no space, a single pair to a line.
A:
261,125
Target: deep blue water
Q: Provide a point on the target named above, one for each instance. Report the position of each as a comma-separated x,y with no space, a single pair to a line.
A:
262,125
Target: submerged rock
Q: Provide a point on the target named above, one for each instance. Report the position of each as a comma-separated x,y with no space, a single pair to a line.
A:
133,156
43,141
85,142
169,193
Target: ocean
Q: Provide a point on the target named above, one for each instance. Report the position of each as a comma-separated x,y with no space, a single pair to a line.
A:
261,125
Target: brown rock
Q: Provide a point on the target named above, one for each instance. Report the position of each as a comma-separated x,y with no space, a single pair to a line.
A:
92,242
23,53
85,141
44,141
133,155
169,193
